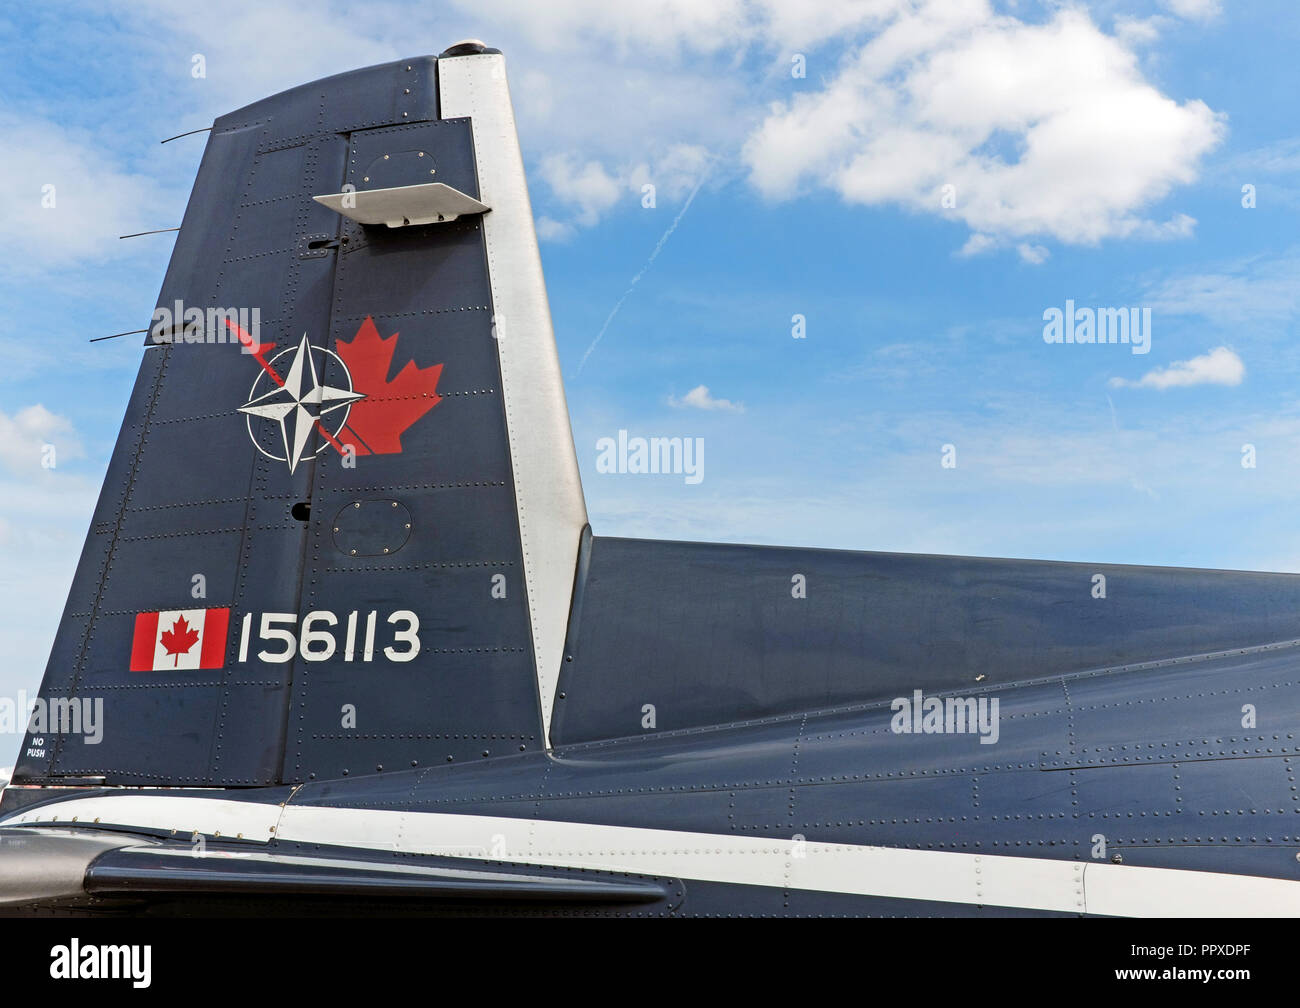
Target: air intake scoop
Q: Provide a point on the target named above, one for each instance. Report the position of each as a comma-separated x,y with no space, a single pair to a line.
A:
429,203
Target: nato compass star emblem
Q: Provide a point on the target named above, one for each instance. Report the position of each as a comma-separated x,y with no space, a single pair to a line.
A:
299,403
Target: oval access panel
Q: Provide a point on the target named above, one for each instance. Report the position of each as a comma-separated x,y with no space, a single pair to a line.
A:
371,528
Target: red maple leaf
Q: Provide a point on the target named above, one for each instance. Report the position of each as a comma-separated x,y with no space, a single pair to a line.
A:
376,423
179,639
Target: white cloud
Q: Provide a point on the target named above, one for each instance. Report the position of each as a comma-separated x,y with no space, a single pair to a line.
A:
600,90
674,173
1059,484
1254,289
668,27
549,229
1194,10
1220,366
66,197
1043,129
1034,254
255,48
701,398
1269,171
26,436
1132,31
44,514
796,24
1047,130
586,187
700,25
1279,158
1180,225
588,190
978,243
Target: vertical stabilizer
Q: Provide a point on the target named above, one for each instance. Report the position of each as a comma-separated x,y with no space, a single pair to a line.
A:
339,529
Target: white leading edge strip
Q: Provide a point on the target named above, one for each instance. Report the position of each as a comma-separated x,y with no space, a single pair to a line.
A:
183,815
942,876
548,490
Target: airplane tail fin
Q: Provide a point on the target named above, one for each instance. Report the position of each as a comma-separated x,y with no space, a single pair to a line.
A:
340,525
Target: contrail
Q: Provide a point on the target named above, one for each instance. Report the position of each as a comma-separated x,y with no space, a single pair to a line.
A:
636,279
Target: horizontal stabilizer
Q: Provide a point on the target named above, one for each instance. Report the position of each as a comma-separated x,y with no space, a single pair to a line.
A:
430,203
143,870
46,867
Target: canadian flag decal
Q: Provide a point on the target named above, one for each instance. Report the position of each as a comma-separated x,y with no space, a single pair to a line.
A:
179,639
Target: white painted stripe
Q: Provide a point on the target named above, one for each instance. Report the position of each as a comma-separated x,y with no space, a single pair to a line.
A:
941,876
183,814
548,489
845,868
1132,891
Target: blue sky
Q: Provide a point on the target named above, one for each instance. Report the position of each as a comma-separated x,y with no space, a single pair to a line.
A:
1097,153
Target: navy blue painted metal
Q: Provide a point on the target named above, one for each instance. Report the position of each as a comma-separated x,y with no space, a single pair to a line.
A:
710,634
188,493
